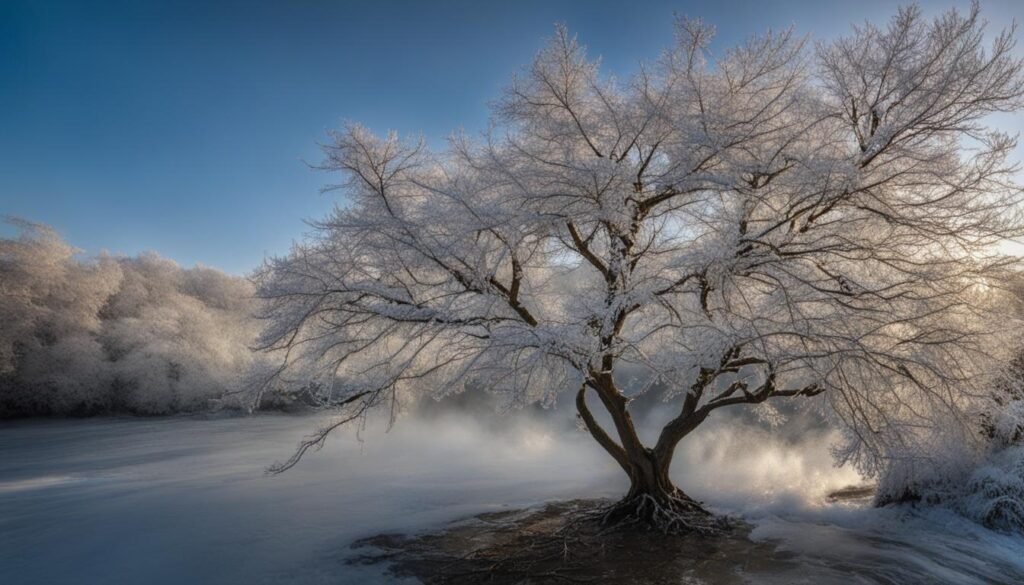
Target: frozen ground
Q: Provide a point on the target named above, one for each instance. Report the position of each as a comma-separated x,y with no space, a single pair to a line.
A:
184,500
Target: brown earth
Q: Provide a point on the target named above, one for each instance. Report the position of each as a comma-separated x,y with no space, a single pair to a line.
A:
566,542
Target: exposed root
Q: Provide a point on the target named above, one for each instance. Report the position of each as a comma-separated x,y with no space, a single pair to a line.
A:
674,513
576,542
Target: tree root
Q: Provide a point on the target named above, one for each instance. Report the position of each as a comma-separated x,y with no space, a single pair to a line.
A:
572,542
674,513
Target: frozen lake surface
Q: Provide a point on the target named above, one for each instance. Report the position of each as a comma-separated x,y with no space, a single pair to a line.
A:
186,500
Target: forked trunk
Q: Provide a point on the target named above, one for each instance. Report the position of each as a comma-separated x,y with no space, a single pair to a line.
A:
653,501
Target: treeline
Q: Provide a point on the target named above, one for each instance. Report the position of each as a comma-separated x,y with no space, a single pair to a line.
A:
81,336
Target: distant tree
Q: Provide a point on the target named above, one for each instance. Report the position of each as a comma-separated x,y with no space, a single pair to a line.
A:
768,224
115,334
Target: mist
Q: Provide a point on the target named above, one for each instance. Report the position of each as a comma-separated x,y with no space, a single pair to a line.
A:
174,500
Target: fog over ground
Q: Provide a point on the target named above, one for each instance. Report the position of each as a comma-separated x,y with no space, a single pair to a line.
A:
185,499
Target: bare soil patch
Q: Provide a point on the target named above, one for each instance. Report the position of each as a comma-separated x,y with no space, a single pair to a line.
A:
565,542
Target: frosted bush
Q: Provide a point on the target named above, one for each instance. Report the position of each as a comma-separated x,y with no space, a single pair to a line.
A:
981,477
988,490
994,494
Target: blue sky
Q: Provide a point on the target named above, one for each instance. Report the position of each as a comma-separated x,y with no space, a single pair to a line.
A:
183,127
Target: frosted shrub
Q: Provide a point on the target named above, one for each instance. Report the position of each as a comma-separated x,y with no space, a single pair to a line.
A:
981,477
994,494
930,465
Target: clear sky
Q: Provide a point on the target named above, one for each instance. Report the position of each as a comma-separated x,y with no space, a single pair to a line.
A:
183,127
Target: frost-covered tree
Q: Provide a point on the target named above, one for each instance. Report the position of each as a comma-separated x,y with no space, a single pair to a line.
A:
769,223
140,334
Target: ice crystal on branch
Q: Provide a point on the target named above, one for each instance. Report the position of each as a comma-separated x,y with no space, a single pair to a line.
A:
773,223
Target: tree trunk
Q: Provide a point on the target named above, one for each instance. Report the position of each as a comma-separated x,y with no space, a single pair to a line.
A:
652,501
649,476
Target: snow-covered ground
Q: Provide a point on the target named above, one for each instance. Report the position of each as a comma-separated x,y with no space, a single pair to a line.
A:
185,500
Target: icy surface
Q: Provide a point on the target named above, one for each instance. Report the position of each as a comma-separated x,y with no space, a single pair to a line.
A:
183,500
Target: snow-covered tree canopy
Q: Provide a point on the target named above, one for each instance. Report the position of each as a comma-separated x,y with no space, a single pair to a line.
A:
115,334
772,222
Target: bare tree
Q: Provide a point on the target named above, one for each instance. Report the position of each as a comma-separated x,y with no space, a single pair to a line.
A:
773,223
